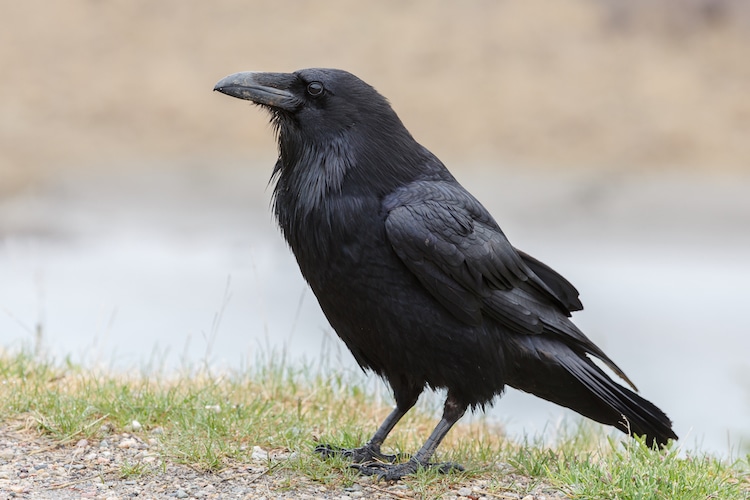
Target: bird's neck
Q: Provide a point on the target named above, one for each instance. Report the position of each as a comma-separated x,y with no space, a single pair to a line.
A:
312,170
310,175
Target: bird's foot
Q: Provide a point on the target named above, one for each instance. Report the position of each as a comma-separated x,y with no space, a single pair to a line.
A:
394,472
365,454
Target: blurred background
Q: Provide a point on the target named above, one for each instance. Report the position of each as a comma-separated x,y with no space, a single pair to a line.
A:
609,138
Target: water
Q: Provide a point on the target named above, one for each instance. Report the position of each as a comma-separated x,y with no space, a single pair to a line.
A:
184,266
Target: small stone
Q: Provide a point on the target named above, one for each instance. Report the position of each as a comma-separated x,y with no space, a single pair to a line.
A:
128,443
82,443
259,454
180,494
7,453
528,497
136,425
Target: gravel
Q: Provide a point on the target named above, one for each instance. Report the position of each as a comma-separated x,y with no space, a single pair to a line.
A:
36,467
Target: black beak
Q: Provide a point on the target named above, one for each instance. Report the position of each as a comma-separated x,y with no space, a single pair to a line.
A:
268,89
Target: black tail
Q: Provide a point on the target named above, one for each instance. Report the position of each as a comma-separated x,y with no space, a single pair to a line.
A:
552,371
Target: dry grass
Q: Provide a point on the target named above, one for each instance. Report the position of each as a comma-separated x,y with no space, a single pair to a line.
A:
211,422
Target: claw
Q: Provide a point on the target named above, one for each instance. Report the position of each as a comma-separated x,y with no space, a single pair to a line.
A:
394,472
365,454
327,451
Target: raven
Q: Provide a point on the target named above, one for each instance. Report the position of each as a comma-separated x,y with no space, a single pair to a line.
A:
414,274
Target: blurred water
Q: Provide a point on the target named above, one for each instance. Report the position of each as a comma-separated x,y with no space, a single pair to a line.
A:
185,266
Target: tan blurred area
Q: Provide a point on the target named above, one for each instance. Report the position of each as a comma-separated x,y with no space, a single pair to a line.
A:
536,83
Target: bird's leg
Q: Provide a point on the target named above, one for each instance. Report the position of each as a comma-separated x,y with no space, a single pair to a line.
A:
406,396
452,411
370,451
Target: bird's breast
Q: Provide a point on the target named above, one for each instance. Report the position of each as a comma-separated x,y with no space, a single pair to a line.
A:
338,237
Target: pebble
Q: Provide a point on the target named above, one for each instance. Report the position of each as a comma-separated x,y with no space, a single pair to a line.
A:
259,454
39,465
128,443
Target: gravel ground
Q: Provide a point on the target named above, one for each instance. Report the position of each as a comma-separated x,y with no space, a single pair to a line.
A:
34,467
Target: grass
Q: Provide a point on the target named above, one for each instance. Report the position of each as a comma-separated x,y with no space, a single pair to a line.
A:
209,421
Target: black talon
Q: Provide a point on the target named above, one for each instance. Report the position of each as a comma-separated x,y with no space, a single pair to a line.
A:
365,454
394,472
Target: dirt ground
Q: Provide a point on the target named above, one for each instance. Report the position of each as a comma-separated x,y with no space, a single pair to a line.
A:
128,466
554,83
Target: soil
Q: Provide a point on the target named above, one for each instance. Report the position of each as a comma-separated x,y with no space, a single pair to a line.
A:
131,466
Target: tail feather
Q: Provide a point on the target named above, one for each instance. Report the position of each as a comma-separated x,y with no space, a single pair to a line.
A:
556,373
637,415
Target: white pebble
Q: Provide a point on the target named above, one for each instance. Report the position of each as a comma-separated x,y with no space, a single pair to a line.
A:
259,454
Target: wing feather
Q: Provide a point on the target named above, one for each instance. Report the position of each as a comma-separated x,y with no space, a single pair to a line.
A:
459,254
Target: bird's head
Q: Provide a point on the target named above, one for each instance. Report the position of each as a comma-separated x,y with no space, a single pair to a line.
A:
332,126
316,103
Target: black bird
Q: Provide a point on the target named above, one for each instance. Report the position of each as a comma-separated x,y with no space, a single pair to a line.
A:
415,275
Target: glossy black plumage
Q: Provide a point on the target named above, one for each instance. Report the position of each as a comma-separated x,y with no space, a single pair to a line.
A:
414,274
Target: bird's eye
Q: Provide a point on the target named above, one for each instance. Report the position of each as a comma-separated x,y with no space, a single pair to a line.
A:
315,88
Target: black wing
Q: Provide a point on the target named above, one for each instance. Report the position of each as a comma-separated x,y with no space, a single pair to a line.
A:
562,288
460,255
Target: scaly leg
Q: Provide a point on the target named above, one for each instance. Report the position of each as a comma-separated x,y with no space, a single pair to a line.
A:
452,411
370,452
